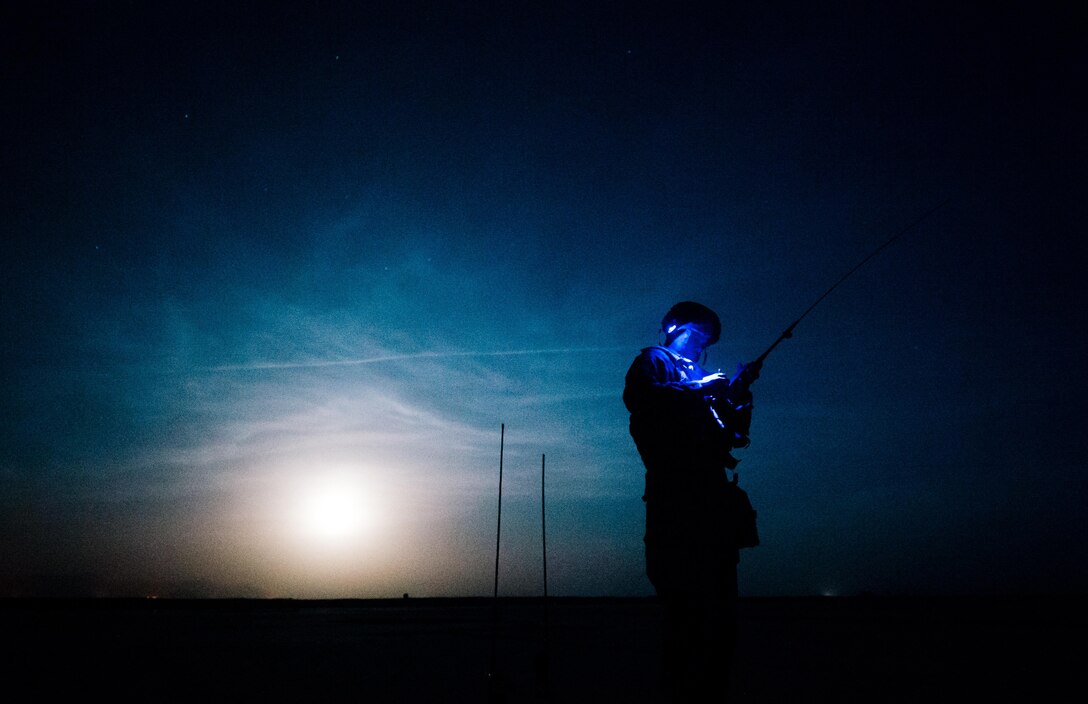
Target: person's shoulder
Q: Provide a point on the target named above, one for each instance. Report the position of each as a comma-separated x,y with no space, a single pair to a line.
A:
658,352
655,355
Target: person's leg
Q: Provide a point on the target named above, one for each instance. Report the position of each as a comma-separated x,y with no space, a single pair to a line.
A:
717,637
680,647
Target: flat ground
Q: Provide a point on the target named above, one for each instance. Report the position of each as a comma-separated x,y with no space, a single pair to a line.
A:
602,650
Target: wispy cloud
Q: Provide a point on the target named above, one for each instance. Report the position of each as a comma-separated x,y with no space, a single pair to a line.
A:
406,357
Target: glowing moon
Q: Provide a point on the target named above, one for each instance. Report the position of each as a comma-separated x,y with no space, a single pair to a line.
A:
329,514
333,510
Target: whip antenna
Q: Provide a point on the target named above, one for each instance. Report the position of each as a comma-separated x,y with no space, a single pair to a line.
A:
492,675
788,332
543,662
498,527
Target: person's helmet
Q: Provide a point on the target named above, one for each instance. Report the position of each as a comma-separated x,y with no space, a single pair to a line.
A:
692,313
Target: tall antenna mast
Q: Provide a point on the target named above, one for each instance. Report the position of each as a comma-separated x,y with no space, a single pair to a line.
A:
498,527
544,544
544,529
491,675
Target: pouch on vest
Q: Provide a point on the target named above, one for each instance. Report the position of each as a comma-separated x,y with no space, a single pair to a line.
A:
742,517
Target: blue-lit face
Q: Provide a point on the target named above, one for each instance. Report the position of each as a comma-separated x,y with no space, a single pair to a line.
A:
691,342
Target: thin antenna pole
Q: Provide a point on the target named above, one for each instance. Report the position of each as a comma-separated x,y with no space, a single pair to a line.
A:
544,543
493,692
498,528
544,533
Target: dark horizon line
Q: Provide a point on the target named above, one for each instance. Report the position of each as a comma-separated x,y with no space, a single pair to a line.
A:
483,600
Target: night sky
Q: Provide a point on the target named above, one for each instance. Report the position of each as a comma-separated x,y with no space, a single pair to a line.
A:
274,275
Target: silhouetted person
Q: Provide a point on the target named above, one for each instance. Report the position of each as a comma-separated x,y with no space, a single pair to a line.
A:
691,541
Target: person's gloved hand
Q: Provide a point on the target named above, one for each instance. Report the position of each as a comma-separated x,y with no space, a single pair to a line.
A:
746,374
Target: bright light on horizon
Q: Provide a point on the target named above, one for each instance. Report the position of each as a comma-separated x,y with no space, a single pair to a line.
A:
329,514
334,509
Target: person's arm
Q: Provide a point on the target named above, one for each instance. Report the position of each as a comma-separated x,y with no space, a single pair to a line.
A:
653,385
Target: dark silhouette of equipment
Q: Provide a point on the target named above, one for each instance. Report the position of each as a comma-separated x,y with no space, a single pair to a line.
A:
753,367
730,403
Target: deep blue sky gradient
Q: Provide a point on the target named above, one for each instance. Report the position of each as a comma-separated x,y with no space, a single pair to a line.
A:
249,248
